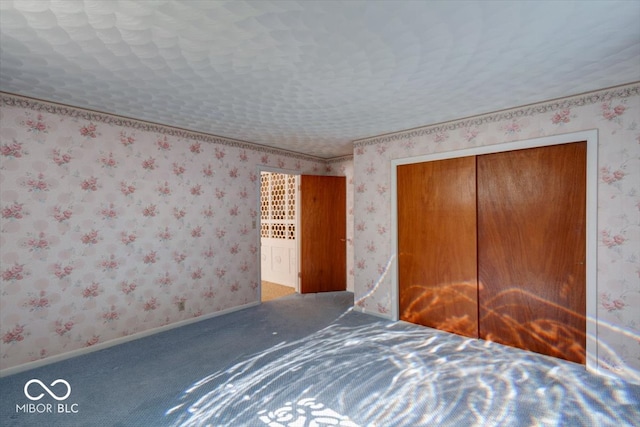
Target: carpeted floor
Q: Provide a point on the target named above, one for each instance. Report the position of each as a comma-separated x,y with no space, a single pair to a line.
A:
271,291
306,360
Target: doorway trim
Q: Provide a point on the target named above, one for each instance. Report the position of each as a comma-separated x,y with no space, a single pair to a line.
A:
257,223
591,136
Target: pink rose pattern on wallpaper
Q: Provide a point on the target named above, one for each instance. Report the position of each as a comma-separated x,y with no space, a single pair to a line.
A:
107,230
617,118
85,202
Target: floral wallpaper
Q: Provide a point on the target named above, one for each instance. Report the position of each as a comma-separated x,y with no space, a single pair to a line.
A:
615,113
112,227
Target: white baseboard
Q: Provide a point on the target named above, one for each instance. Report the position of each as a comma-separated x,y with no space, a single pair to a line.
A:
116,341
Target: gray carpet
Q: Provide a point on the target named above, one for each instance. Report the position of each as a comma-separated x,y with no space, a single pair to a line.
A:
307,360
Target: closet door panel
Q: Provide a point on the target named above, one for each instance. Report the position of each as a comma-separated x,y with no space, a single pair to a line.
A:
531,249
437,245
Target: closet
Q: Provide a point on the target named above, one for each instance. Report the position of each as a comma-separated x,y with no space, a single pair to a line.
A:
493,247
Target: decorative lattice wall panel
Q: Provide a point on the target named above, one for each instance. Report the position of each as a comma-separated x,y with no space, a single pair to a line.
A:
278,206
279,260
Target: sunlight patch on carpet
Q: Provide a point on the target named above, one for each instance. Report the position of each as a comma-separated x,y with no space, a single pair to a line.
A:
402,375
305,412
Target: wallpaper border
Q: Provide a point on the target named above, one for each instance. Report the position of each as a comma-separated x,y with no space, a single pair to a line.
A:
339,159
601,95
12,100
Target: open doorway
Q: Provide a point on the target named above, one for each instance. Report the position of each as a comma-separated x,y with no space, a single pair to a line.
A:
279,239
302,232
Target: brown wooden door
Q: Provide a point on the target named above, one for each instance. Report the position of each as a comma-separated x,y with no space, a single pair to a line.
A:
437,244
531,249
323,231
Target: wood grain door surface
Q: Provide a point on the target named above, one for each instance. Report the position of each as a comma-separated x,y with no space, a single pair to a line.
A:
437,244
494,247
323,231
531,249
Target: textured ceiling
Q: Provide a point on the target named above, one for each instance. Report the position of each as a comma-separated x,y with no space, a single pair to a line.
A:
312,76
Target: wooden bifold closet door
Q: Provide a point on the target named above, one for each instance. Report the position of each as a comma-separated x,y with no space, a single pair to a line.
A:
516,222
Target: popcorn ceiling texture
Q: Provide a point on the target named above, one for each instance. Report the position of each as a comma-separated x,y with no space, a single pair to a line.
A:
311,77
616,115
108,225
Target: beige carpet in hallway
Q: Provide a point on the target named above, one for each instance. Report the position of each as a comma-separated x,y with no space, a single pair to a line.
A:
272,290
